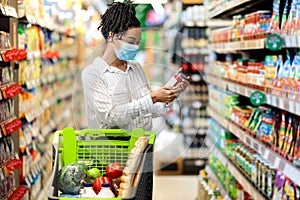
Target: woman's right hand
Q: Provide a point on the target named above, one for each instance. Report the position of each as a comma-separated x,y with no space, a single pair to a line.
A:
165,94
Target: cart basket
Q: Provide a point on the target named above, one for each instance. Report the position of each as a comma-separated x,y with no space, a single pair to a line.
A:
98,148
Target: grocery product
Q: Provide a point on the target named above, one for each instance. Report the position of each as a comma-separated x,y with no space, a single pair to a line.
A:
114,170
88,191
97,185
105,192
132,167
70,178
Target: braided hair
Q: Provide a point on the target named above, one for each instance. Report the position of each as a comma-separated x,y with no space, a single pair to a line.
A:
118,18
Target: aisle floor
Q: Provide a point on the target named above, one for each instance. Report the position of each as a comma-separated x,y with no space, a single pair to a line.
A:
176,187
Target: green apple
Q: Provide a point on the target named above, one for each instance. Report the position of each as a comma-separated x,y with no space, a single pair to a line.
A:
93,173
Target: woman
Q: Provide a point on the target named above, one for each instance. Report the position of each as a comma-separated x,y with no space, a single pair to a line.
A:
117,92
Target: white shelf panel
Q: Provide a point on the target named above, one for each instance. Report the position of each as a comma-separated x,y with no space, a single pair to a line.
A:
231,5
278,161
238,46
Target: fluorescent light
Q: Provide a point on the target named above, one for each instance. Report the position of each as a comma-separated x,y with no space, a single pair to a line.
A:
158,8
147,1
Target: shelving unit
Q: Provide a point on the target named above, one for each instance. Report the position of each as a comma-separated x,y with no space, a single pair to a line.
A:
241,45
247,185
30,124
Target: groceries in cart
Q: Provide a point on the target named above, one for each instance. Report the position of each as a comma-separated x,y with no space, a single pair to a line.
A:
78,180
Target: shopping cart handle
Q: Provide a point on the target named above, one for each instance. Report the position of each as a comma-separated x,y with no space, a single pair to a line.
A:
101,132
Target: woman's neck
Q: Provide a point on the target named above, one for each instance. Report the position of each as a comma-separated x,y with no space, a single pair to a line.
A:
110,58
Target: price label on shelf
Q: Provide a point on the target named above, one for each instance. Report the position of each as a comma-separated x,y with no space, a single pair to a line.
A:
242,91
256,146
287,41
293,39
281,103
292,106
274,101
271,158
297,108
268,99
248,141
281,166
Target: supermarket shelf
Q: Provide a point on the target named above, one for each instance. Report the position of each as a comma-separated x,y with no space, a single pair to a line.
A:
238,46
196,51
287,103
196,153
8,11
247,185
215,180
192,1
195,24
209,23
219,23
232,7
278,161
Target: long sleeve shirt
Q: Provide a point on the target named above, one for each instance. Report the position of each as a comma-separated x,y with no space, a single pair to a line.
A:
114,98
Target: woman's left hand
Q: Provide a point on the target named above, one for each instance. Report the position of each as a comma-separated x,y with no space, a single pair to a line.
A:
181,87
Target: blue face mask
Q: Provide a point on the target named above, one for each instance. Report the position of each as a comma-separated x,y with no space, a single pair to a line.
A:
127,51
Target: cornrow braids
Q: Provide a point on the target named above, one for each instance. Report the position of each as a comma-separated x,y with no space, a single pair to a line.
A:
118,18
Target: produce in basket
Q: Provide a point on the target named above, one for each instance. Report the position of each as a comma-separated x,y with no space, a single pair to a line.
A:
98,183
93,173
114,170
70,178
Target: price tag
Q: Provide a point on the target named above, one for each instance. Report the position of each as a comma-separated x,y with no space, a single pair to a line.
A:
297,108
274,101
281,166
293,39
256,146
291,106
14,164
271,158
248,141
242,91
287,41
277,161
18,194
268,99
281,103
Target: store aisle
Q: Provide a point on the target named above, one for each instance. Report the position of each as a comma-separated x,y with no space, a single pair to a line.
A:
175,187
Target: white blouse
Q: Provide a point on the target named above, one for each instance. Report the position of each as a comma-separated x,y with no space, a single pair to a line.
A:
114,98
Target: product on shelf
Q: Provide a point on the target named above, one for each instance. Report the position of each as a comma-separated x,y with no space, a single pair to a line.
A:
194,15
222,101
207,189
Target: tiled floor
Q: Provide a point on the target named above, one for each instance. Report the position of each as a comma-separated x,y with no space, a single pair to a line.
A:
175,187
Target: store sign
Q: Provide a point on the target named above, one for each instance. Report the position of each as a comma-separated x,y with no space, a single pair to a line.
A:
18,194
274,42
257,98
14,164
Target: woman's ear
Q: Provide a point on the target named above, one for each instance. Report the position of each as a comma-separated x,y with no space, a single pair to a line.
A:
110,36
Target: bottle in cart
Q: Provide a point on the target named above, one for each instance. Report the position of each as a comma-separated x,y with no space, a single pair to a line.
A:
89,192
105,191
